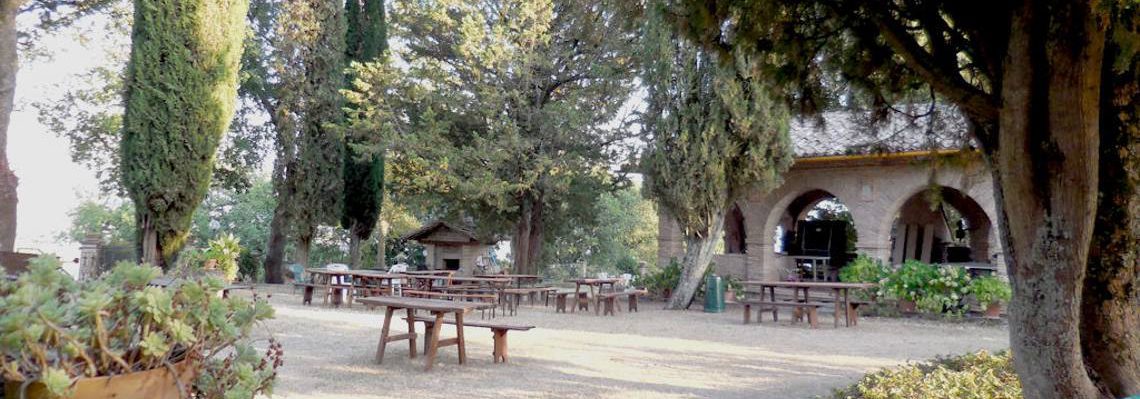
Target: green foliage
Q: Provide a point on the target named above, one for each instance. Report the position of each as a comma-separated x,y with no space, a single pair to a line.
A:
990,289
115,224
366,41
505,108
934,288
980,375
717,133
180,95
663,280
618,232
225,250
53,329
864,269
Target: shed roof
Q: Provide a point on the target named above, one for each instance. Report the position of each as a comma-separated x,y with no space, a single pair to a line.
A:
431,228
854,133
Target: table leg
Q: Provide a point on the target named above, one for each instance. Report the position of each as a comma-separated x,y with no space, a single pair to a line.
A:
577,301
388,311
459,337
837,304
412,333
847,306
433,342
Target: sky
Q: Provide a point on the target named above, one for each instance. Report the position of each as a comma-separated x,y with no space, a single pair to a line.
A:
50,183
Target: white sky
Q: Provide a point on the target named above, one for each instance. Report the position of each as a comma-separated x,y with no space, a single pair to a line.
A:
50,183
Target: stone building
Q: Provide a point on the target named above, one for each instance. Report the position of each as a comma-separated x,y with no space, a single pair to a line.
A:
899,180
450,247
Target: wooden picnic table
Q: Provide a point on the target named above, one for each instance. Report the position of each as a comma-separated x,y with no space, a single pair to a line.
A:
840,290
438,308
600,283
359,283
423,280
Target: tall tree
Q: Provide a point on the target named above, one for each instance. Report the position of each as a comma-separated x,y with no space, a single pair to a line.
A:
1047,86
716,135
512,101
51,15
316,155
181,89
367,40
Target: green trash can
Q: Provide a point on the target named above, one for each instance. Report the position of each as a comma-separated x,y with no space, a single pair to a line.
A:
714,294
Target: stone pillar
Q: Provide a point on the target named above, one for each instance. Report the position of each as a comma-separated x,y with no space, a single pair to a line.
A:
876,250
89,256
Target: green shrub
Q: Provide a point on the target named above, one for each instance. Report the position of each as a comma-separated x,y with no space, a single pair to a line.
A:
990,290
864,269
54,330
225,250
980,375
665,279
909,281
944,293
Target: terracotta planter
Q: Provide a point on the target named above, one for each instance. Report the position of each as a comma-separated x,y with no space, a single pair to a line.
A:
993,310
151,384
730,296
907,306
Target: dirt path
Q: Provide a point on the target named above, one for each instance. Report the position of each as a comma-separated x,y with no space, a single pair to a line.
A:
652,354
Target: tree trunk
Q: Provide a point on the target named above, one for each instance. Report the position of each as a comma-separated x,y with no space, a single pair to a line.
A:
529,233
381,244
148,250
275,246
698,254
304,243
1109,306
1046,180
9,64
354,250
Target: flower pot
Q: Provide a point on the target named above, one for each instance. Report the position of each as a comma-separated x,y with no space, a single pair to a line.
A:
730,296
156,383
907,306
993,310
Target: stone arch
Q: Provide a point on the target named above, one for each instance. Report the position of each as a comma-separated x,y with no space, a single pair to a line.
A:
980,220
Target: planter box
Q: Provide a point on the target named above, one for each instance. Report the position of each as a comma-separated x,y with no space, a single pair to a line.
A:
157,383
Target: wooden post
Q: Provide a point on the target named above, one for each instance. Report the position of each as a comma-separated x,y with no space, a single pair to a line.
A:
388,311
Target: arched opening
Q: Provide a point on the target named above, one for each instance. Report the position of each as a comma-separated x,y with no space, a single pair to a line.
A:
734,233
817,232
941,225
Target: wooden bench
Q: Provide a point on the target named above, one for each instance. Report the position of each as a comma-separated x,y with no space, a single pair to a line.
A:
632,300
560,301
852,304
498,331
608,300
488,299
309,288
812,309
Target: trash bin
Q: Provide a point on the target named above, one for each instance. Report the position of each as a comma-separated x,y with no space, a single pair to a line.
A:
714,294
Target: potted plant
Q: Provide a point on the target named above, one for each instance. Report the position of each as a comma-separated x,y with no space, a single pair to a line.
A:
118,337
734,291
991,292
908,284
223,253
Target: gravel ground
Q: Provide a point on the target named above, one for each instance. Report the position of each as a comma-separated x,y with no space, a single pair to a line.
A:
652,354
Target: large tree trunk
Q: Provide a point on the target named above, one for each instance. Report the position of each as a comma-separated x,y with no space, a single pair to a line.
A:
698,254
149,250
304,244
1109,306
1047,180
354,242
529,234
275,246
9,65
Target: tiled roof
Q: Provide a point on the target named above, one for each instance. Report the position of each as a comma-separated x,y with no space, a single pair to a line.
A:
853,133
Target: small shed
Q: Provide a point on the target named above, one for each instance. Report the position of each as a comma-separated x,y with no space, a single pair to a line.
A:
450,247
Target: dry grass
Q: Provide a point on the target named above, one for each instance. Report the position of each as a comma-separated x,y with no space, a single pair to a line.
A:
652,354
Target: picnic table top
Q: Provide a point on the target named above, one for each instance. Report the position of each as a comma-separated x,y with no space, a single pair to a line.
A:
479,280
512,276
596,280
523,290
434,305
809,284
430,272
355,272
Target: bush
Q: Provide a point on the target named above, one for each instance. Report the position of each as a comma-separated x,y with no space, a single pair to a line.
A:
225,250
54,330
864,269
990,290
909,281
663,280
979,375
944,293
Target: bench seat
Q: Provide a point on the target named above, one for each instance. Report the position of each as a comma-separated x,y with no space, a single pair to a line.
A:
498,330
812,309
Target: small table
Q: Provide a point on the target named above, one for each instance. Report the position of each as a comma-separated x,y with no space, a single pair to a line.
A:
600,283
842,297
438,308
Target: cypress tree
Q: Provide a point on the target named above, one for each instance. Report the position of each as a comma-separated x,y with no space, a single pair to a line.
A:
366,41
181,91
717,134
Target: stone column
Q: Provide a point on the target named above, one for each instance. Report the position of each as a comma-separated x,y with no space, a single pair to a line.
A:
876,250
89,256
